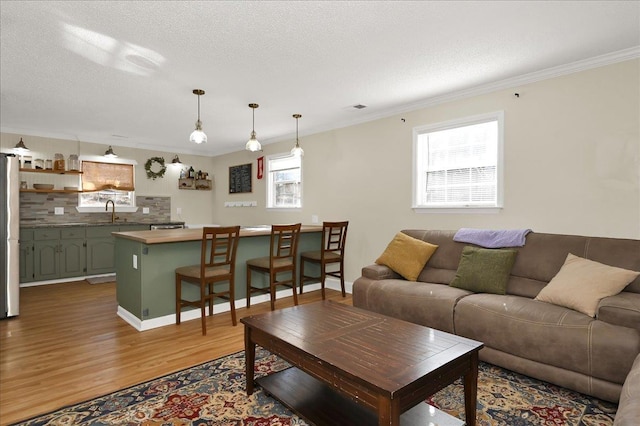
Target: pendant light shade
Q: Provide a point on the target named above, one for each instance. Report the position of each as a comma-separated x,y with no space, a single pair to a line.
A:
20,147
109,153
252,144
297,149
198,136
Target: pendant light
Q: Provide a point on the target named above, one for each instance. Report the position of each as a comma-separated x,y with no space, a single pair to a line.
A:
20,147
109,153
198,136
297,150
252,144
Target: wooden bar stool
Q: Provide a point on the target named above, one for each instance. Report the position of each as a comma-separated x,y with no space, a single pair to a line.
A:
334,236
283,253
217,265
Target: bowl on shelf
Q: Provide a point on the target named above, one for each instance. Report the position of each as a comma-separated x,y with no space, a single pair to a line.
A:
43,186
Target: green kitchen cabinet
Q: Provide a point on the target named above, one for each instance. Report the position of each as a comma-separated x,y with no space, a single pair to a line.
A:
26,255
73,252
46,255
101,246
58,253
100,250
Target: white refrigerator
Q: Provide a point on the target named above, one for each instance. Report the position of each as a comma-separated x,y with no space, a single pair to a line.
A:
9,235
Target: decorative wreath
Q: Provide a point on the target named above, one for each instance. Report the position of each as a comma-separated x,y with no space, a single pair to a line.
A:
150,173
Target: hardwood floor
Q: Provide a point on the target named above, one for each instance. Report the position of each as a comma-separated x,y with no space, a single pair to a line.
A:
68,345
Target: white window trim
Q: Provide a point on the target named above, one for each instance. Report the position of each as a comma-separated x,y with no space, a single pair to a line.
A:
269,188
103,159
476,119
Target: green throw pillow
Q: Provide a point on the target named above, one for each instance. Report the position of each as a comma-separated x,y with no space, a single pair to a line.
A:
484,270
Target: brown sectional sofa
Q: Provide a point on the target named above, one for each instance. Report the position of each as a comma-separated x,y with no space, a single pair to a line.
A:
541,340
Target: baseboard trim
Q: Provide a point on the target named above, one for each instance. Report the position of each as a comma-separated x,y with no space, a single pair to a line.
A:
149,324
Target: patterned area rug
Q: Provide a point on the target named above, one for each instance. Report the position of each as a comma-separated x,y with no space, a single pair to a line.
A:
214,394
510,399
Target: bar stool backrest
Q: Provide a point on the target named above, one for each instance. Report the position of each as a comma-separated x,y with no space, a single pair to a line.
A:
334,235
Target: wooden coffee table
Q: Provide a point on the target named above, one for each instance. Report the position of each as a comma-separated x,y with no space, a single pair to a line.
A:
352,366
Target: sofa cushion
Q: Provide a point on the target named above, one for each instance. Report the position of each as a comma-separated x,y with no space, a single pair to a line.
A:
427,304
484,270
548,334
582,283
406,255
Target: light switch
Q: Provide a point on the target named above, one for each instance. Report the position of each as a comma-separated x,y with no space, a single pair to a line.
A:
58,210
135,261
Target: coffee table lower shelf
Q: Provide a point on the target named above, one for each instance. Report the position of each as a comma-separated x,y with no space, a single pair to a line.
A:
320,405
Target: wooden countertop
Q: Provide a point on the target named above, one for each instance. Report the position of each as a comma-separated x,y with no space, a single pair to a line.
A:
159,236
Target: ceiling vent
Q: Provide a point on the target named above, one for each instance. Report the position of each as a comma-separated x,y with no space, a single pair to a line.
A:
359,106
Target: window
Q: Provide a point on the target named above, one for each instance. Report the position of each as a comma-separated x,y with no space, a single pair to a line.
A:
458,164
103,181
284,181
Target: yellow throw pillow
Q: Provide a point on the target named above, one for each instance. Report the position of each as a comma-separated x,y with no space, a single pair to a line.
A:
581,284
406,255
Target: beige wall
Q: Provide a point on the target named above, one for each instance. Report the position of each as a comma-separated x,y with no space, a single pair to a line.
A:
572,148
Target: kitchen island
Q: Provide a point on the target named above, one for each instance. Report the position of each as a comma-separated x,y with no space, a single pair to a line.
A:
146,262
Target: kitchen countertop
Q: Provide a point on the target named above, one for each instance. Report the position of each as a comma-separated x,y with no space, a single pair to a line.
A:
116,223
158,236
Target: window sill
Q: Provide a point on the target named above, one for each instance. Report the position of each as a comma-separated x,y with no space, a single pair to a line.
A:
284,209
119,209
457,210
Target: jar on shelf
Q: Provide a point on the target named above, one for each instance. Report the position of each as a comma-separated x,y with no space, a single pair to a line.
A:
38,164
58,162
74,164
48,164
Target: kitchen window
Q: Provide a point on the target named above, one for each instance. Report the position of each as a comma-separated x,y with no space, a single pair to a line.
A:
459,164
284,181
103,181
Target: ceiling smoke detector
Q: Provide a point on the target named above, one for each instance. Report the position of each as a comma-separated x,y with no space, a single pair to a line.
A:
359,106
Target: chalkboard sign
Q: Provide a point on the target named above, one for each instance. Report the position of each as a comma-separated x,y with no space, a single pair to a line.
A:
240,178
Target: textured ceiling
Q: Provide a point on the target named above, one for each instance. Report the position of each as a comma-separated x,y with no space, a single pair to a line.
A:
122,73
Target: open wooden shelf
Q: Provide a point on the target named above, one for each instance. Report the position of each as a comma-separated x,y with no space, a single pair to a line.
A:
61,191
197,184
54,172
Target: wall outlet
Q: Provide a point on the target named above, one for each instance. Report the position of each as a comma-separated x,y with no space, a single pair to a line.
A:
145,210
179,210
314,218
58,210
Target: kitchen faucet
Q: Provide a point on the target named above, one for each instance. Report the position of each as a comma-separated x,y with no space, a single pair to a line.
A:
113,210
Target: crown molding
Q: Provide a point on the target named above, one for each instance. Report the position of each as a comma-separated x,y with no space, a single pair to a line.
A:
545,74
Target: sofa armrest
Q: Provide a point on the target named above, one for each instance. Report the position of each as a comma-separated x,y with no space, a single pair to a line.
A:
629,407
622,309
379,272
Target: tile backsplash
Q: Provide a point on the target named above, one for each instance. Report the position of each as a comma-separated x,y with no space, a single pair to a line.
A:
39,207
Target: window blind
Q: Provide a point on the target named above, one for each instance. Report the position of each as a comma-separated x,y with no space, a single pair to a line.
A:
98,176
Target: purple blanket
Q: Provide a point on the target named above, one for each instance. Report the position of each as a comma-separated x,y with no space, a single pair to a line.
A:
492,238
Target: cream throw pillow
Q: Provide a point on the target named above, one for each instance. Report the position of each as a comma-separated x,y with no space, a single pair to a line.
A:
581,284
406,255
